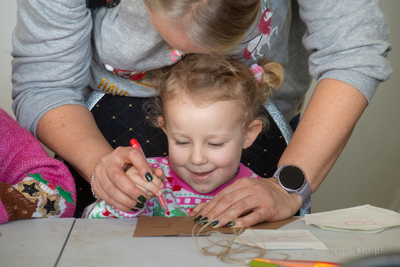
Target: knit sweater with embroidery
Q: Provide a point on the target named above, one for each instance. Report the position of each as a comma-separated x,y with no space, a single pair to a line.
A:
62,50
178,195
32,184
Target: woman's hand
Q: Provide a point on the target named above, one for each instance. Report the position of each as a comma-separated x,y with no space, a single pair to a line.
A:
257,200
71,132
128,190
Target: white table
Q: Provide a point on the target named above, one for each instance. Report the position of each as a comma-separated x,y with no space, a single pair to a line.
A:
36,242
109,242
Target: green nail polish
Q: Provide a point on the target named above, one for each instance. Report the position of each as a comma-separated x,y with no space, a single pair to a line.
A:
214,223
134,210
204,219
230,224
148,177
142,199
197,219
139,205
204,223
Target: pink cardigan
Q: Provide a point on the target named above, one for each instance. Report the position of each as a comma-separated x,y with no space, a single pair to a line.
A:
32,184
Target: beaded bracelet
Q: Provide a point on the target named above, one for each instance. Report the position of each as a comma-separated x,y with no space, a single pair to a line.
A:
91,186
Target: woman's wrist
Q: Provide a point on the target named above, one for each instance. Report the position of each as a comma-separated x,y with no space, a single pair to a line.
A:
296,200
91,186
292,179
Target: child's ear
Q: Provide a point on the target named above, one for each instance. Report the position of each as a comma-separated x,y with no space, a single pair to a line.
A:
161,123
253,130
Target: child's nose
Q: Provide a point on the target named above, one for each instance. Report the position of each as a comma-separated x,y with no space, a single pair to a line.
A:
198,156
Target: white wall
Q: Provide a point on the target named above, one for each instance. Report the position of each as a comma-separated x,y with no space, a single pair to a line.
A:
368,170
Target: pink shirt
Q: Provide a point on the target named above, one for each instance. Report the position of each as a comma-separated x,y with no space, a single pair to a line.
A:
179,196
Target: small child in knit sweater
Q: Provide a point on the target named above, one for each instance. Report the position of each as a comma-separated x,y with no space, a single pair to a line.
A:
209,107
32,184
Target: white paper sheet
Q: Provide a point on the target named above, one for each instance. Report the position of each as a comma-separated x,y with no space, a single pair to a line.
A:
366,218
280,239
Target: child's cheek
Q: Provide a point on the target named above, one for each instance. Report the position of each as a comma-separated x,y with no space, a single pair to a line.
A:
225,158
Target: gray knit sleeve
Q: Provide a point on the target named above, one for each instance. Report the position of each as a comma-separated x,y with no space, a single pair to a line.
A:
349,41
51,57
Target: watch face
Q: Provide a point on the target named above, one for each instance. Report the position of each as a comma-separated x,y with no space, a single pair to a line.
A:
291,177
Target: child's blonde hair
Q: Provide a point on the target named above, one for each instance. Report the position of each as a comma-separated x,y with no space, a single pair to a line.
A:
208,79
217,26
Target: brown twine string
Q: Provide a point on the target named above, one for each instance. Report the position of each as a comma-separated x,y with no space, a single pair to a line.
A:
227,247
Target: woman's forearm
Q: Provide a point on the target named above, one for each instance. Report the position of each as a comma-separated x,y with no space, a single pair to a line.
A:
71,132
324,129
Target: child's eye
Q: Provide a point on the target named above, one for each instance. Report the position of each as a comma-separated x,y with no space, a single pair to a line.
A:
216,144
181,143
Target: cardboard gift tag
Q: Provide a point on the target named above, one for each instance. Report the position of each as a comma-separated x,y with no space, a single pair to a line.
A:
183,226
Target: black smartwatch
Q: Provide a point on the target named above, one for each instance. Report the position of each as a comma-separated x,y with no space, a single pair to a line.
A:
293,180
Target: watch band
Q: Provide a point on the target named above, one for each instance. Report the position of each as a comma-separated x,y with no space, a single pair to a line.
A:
304,190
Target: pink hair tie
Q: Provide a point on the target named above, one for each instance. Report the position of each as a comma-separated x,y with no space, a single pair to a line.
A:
258,71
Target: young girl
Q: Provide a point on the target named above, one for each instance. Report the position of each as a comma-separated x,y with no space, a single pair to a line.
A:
209,109
32,184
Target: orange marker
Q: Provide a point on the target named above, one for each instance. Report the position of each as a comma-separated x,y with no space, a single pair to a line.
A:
293,263
135,144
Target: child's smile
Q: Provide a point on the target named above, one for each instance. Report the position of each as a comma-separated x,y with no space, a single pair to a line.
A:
202,175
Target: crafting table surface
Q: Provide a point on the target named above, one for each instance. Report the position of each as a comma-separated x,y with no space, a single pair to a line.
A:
33,242
109,242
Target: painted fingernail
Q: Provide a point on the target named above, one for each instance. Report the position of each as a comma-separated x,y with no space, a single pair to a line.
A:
142,199
197,219
190,210
134,210
148,177
204,221
214,223
139,205
230,224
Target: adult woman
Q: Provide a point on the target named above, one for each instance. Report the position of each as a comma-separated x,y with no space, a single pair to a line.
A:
53,57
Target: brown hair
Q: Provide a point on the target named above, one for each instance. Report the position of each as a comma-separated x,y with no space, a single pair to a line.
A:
208,79
217,26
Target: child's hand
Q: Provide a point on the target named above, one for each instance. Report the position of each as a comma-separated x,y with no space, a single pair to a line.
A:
150,189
